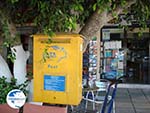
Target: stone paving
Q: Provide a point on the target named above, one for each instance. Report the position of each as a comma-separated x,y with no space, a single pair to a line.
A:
133,100
128,100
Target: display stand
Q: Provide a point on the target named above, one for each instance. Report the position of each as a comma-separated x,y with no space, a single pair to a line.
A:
112,54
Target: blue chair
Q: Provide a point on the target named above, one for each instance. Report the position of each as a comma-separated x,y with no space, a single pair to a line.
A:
108,105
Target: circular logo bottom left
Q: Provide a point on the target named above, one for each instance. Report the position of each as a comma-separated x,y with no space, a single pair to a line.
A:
16,98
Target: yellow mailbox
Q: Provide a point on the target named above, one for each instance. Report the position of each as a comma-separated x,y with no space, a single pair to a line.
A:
58,69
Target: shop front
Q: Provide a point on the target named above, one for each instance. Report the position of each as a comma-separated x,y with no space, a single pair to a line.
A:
125,53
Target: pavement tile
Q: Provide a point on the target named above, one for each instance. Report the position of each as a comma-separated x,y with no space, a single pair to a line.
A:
147,94
123,105
124,110
143,105
147,110
133,100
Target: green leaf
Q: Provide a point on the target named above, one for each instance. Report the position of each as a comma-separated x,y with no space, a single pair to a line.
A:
14,1
81,8
114,6
123,2
6,44
94,7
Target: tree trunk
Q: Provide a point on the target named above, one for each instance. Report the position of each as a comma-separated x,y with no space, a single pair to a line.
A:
97,20
21,56
92,26
19,69
4,69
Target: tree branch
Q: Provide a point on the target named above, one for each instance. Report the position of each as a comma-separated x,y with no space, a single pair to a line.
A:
119,9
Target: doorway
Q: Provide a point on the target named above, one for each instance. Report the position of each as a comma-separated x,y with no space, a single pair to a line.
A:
137,58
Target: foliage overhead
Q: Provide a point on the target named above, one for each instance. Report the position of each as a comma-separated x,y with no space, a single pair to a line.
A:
63,15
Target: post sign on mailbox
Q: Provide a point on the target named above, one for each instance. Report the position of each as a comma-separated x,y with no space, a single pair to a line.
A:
58,69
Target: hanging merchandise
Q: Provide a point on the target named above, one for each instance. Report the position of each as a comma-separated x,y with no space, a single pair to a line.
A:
93,57
113,65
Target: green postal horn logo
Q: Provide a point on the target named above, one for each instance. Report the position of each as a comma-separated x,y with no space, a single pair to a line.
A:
55,53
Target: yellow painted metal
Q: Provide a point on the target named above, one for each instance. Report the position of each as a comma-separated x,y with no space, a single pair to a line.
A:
58,69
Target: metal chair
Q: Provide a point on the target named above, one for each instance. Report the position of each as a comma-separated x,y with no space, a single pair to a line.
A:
96,95
109,104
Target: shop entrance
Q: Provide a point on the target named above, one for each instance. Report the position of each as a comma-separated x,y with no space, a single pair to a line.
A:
137,58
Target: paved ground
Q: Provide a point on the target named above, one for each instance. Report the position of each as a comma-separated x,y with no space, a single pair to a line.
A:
133,100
